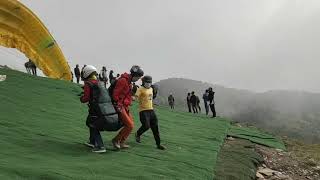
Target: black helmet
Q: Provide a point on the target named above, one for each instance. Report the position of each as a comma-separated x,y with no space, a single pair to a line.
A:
136,71
147,79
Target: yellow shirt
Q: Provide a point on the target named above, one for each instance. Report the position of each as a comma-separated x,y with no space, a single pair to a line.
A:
145,96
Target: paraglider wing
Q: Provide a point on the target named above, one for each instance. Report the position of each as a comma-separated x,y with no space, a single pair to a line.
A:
20,28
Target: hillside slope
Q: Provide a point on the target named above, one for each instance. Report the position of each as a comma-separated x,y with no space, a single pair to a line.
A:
42,126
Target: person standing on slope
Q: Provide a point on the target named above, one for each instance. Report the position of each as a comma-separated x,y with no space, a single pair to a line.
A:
103,76
111,77
122,97
89,75
205,98
211,102
147,115
171,101
77,73
189,102
193,100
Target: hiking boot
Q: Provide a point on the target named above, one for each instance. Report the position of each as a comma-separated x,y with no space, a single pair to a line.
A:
124,146
88,144
138,139
115,144
99,150
161,147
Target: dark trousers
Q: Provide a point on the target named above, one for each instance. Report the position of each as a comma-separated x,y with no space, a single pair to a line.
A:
189,107
34,71
198,106
148,120
78,79
94,134
206,106
195,108
213,110
95,137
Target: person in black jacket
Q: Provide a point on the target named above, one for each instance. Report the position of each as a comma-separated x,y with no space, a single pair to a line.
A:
193,100
211,102
77,73
112,79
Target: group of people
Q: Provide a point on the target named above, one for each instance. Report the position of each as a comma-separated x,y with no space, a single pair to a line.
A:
103,75
122,95
193,102
31,67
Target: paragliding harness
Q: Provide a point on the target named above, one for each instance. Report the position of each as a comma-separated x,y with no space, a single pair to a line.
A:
102,113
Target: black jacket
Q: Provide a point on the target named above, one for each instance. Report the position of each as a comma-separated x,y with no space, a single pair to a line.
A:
77,72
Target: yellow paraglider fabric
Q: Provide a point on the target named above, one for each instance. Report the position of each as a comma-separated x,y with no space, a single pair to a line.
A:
20,28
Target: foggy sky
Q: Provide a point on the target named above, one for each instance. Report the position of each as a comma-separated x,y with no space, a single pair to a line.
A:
249,44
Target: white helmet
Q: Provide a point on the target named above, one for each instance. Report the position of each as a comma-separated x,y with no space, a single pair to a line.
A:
88,70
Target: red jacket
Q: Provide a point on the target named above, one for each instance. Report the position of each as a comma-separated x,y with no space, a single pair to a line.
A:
87,91
122,91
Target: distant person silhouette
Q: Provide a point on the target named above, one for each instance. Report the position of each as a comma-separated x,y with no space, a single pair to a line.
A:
205,98
212,102
193,100
77,73
81,73
111,77
103,76
27,65
189,102
171,101
33,67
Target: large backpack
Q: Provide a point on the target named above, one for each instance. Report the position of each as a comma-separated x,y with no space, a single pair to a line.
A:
105,117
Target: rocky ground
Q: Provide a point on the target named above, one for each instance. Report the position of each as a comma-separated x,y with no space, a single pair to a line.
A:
286,165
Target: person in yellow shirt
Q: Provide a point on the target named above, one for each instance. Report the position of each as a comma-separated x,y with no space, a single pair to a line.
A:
147,115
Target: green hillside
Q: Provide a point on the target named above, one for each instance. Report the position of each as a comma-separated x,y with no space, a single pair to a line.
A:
42,128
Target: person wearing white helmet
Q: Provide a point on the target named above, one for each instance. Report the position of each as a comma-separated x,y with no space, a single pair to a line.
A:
89,75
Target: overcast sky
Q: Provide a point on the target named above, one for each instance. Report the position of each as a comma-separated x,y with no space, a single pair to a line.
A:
249,44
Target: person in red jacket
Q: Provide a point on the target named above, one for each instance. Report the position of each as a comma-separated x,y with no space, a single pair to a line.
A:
90,81
122,95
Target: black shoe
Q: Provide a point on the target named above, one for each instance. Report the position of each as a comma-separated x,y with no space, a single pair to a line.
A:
161,147
138,139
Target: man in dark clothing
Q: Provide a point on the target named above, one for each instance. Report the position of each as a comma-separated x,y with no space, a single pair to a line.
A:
77,73
193,100
189,102
111,77
103,77
81,73
205,98
211,102
171,101
33,67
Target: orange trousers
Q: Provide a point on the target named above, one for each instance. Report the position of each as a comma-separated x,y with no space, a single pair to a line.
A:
128,125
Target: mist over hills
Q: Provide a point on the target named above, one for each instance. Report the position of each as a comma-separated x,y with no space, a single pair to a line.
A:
291,113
